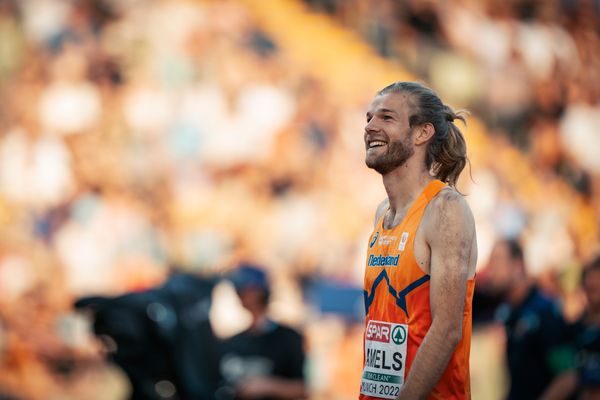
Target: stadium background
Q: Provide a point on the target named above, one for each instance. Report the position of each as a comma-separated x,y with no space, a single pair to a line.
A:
141,136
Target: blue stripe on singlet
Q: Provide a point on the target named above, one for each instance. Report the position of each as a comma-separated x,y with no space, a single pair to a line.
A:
400,297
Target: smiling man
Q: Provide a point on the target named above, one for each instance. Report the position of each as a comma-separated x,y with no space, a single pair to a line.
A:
420,265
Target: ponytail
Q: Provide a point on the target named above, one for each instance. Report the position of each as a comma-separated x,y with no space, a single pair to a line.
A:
446,155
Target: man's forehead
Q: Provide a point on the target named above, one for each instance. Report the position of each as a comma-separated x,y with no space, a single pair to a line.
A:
390,101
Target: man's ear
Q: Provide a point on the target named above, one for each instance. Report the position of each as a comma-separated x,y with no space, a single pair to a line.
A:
423,133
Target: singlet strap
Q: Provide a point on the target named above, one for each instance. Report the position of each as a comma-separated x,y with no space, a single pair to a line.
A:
428,193
433,188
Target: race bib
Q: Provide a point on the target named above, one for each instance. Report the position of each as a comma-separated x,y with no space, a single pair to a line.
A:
385,356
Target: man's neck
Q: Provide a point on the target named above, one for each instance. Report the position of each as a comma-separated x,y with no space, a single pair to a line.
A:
259,322
405,183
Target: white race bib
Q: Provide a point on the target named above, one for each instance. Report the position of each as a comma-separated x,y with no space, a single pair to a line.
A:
385,356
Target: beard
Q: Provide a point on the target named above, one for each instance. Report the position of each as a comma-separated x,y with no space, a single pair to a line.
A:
396,155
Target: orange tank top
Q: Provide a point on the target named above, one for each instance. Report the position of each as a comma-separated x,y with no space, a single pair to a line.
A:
398,315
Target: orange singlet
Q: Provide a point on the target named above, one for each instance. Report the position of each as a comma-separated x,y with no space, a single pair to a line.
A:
398,313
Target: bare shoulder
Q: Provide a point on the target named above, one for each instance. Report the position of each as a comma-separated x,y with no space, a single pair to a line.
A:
450,230
449,209
381,209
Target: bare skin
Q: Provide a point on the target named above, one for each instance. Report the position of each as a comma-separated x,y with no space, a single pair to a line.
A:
445,244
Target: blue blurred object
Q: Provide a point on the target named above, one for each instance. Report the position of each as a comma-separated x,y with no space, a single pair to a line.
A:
249,276
262,43
337,298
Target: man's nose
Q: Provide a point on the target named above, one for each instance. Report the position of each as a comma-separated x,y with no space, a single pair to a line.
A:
371,126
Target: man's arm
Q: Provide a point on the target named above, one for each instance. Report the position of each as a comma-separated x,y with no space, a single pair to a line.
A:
561,387
450,233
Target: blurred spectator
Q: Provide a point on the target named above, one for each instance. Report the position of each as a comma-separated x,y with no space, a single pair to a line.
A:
583,339
533,323
266,361
576,134
45,350
34,169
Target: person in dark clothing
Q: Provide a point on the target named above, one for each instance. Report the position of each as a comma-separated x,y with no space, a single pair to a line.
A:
533,323
588,343
266,360
582,381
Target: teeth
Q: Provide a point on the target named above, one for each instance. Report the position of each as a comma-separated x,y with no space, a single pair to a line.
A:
376,143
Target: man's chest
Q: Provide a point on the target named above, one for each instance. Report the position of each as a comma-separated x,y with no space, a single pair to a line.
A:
397,251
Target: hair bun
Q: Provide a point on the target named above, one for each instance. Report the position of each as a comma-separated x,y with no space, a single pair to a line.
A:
449,114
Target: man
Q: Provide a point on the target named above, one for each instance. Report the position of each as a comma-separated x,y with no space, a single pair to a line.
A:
420,267
533,323
582,380
265,361
588,337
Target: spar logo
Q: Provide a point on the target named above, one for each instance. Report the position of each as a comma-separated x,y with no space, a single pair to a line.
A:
384,333
399,334
379,331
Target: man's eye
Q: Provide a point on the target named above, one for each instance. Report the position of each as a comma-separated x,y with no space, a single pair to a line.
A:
387,117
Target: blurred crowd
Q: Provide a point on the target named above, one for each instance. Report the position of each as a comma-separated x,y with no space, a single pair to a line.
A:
142,137
529,68
138,136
